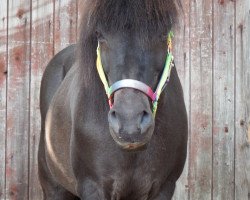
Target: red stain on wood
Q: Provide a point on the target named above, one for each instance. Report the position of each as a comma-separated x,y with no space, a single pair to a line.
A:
17,55
10,122
39,58
202,120
13,191
216,130
221,2
20,13
2,70
8,172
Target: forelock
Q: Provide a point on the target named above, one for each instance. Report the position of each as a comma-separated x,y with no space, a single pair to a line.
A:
141,16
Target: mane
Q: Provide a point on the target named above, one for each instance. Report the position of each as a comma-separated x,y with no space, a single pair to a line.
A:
141,16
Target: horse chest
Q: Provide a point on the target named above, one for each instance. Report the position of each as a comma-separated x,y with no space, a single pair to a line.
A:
130,179
134,186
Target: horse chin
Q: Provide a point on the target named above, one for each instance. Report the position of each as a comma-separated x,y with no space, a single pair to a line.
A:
131,146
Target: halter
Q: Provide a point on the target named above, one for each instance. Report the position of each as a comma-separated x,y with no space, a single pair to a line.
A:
130,83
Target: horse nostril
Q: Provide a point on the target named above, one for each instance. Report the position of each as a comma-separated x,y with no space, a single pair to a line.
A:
145,121
113,114
113,120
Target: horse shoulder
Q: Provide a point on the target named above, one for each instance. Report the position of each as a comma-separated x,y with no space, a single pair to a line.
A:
58,136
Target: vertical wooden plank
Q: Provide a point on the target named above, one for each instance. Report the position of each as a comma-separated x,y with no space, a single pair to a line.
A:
3,86
200,163
41,53
181,53
78,19
65,23
17,165
223,98
242,122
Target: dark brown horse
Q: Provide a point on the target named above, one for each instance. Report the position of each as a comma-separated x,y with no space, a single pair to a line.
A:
92,151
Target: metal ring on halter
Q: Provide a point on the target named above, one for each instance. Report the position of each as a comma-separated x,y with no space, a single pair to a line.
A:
130,83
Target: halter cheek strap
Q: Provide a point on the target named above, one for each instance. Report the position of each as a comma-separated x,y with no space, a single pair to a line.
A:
130,83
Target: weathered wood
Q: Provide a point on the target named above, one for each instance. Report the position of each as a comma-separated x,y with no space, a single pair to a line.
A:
181,53
41,53
200,158
223,100
215,74
17,164
3,85
242,112
65,23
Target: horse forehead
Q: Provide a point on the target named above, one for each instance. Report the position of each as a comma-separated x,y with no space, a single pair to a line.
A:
131,39
132,51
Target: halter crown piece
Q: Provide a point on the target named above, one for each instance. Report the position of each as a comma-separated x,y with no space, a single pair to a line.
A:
130,83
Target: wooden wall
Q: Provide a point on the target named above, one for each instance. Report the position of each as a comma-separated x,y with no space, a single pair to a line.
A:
212,52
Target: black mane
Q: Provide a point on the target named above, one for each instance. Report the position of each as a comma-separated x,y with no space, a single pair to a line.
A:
144,16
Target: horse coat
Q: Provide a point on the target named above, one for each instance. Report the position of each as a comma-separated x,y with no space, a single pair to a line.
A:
80,159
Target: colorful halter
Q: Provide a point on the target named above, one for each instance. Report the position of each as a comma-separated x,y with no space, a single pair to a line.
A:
130,83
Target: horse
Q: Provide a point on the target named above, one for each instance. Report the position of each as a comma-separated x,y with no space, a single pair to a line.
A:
113,117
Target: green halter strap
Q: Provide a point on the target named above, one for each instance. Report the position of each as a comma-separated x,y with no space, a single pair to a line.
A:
129,83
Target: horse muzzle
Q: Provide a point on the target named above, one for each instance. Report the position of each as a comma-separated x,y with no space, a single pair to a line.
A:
130,119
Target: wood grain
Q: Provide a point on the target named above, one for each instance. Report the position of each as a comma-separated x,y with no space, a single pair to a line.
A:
41,53
223,100
212,55
181,54
17,162
3,87
66,16
242,111
200,158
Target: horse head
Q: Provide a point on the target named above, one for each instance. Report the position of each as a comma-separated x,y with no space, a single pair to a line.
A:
125,57
132,45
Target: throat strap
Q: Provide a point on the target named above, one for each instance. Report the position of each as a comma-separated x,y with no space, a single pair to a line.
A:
130,83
